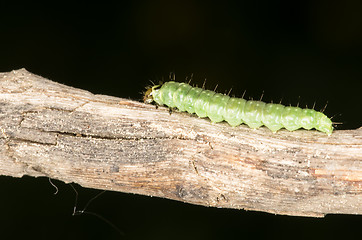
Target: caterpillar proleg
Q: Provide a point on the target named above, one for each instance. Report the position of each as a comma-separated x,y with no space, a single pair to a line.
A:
220,107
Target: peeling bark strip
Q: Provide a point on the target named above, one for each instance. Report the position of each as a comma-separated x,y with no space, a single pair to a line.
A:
52,130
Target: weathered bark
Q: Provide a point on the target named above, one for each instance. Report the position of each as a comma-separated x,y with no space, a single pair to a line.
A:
52,130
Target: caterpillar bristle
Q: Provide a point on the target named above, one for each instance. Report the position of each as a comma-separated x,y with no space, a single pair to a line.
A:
172,76
203,85
298,101
262,94
216,87
339,114
191,77
243,94
324,108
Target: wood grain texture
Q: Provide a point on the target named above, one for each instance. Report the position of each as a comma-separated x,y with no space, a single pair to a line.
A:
103,142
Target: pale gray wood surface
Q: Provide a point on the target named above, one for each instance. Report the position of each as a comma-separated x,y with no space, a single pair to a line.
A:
103,142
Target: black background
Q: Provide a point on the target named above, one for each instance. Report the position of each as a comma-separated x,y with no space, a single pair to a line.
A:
302,53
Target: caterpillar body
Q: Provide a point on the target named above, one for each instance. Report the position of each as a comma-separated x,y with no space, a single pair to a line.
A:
220,107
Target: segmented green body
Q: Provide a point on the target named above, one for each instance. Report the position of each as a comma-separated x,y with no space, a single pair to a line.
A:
219,107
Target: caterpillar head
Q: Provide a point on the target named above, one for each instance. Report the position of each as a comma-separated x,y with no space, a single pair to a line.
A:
324,124
148,96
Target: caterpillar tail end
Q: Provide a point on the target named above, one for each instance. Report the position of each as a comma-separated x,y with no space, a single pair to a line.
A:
325,125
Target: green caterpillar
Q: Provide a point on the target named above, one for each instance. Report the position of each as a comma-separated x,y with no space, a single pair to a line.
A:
219,107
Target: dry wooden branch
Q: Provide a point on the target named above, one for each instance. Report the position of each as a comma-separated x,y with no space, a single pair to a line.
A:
49,129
